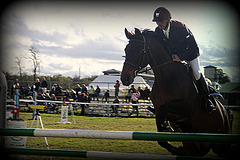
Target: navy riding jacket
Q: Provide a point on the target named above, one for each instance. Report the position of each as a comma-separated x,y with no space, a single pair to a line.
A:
181,41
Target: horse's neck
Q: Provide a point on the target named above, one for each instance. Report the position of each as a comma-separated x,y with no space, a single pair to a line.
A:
159,56
158,52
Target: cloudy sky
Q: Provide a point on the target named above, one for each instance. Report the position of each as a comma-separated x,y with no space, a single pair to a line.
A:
90,35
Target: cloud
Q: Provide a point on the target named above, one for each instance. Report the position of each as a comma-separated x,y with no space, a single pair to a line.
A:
91,35
70,66
219,56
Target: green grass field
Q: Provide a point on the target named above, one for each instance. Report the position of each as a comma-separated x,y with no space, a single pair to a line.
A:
103,123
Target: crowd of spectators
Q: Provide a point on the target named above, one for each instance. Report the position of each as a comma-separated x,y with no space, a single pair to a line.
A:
79,94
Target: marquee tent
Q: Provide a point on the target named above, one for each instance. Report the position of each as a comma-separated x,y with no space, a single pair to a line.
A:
107,82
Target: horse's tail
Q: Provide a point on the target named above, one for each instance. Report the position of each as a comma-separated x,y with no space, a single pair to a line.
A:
225,116
225,150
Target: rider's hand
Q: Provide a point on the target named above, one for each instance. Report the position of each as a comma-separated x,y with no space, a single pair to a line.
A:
176,58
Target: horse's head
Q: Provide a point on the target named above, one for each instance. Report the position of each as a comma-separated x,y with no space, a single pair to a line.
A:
136,56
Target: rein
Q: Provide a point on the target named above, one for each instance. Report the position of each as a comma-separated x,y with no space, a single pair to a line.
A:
158,66
138,67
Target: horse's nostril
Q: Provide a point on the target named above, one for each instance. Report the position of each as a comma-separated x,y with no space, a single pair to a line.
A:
125,80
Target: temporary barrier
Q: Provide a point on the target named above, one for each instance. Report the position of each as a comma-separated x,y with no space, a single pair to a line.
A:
16,141
101,108
66,102
123,135
64,115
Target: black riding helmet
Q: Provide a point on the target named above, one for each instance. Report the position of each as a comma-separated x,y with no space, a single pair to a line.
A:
160,14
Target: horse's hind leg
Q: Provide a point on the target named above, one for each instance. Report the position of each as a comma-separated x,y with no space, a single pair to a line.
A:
196,149
224,150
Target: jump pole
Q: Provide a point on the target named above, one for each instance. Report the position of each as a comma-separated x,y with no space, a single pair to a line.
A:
123,135
93,154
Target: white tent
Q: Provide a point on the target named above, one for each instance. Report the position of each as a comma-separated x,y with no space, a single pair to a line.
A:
107,82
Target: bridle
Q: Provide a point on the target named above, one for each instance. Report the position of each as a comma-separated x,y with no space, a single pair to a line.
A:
144,52
138,67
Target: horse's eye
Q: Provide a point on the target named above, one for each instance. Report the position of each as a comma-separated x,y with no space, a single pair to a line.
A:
124,56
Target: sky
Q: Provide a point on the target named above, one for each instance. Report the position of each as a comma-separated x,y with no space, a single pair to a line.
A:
90,34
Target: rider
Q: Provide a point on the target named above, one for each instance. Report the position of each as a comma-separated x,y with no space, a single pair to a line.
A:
182,46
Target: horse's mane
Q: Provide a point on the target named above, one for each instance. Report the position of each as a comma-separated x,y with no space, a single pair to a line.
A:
151,34
148,32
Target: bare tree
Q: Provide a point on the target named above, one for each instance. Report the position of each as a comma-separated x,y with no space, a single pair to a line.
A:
35,59
19,64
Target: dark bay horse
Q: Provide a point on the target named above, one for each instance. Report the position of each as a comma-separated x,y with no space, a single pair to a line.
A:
174,95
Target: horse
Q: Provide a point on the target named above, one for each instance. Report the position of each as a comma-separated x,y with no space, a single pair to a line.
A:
174,95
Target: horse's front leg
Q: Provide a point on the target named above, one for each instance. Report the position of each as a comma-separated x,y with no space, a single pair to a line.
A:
161,115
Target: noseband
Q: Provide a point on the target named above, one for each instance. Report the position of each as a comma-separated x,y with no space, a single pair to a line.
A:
144,52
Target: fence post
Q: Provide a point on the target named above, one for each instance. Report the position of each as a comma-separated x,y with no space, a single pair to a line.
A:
34,103
3,97
16,102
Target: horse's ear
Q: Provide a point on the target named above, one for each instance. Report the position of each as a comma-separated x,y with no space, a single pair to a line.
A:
128,34
137,31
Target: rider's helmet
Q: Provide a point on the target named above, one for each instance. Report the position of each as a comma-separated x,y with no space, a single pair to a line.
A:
160,14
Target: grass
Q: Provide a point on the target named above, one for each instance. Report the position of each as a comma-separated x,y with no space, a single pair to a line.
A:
103,123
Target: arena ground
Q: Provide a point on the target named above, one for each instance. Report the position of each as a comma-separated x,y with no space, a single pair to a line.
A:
103,123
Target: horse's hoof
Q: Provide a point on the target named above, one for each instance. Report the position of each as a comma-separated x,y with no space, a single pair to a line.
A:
176,151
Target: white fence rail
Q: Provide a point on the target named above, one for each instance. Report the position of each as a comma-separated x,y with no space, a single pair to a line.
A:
100,108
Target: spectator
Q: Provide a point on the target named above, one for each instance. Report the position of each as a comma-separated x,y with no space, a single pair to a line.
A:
82,97
106,96
92,92
134,99
26,91
44,85
66,95
47,96
115,108
73,95
97,91
78,89
140,92
58,90
53,97
146,93
53,106
37,84
117,86
53,89
129,95
84,89
88,98
132,89
40,93
33,87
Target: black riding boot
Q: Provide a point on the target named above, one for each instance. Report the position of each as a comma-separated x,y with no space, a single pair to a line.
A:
204,90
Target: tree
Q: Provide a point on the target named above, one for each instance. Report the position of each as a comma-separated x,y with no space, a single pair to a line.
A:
35,59
20,67
222,77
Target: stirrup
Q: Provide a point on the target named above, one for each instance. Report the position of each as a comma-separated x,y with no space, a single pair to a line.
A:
166,127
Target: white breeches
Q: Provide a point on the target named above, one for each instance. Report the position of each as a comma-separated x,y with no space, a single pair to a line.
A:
195,67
